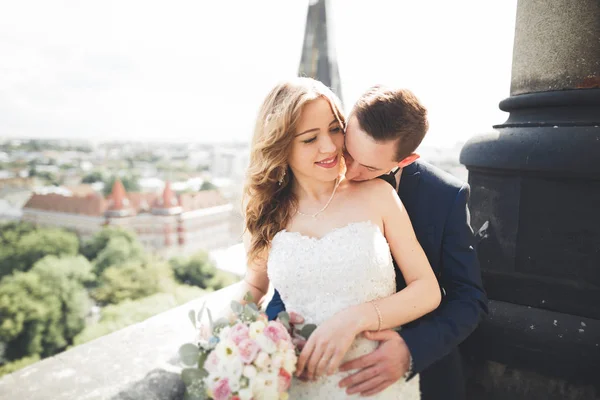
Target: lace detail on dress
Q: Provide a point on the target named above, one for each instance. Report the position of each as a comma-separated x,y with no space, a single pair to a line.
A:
318,277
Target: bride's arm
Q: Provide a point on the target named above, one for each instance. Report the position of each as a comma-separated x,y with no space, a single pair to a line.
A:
256,280
422,292
327,346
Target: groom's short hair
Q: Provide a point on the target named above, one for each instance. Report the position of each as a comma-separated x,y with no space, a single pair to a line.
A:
388,114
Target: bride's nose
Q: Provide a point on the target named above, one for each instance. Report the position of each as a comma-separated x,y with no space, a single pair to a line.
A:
328,146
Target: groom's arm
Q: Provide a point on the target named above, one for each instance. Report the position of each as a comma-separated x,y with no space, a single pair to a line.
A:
275,306
464,304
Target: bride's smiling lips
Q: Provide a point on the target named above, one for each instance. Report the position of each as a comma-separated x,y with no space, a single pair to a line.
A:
328,162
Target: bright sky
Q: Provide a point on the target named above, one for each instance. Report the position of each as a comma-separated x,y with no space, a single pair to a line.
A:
198,70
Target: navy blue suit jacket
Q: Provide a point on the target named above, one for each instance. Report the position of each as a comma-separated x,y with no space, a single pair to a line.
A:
437,205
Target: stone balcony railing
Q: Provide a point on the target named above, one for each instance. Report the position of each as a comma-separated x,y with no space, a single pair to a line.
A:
137,362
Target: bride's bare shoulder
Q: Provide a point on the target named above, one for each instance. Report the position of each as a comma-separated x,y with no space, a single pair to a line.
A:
372,189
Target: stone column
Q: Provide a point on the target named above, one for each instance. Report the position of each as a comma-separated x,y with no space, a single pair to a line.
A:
536,182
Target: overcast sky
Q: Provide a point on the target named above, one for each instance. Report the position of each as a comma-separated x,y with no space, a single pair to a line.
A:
197,70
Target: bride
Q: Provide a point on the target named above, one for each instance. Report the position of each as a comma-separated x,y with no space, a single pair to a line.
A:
326,243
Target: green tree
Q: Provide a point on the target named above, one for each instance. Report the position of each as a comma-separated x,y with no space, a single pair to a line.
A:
93,246
23,245
130,183
207,185
42,310
92,177
132,280
199,270
118,251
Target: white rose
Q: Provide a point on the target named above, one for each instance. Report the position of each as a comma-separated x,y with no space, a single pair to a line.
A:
289,362
226,350
256,329
233,370
265,386
266,344
224,333
277,361
249,371
262,360
245,394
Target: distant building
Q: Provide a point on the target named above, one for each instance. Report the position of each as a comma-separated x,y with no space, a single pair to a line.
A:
229,163
166,223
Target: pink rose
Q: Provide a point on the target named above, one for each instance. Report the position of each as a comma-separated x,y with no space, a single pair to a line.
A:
276,332
248,349
212,362
285,380
221,390
239,332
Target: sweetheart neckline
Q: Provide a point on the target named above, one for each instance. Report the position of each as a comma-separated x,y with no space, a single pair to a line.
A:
334,230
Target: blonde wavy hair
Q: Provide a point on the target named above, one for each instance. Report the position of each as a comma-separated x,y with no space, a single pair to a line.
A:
269,204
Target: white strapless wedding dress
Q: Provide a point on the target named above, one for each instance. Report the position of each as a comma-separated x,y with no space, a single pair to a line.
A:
319,277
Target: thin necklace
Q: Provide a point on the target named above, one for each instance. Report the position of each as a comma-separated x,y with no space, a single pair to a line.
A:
337,183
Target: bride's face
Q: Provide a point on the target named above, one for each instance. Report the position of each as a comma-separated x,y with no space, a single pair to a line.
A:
317,146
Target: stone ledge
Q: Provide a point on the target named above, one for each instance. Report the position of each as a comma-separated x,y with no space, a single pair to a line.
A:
137,362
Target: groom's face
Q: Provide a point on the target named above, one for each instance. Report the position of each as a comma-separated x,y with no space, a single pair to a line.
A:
365,158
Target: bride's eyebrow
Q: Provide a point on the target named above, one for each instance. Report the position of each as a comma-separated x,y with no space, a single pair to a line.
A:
307,131
315,129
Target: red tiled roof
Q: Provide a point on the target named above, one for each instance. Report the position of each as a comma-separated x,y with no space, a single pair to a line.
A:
168,198
202,199
92,204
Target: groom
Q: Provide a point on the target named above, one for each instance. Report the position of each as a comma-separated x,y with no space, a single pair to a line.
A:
384,129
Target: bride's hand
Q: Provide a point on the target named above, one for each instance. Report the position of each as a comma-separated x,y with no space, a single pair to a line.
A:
326,347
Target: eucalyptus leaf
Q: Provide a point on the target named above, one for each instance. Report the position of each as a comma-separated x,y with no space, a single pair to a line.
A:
253,306
189,376
192,315
307,330
236,307
218,325
249,313
201,360
248,298
283,316
189,354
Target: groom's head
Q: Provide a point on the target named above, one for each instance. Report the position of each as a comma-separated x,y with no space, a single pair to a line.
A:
384,129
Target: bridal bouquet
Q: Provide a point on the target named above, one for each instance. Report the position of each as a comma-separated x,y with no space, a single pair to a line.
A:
245,357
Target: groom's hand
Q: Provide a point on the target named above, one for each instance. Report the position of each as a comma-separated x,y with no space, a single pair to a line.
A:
379,369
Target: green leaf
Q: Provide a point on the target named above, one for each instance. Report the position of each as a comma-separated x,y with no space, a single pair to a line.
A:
253,306
192,315
189,354
284,318
202,359
307,330
219,325
236,307
189,376
249,313
248,298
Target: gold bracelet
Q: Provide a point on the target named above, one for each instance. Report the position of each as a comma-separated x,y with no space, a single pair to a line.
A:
378,315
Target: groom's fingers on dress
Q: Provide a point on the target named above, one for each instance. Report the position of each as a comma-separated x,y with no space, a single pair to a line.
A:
382,386
367,386
360,377
361,362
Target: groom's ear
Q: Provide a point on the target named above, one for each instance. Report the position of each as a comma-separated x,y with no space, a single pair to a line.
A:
408,160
